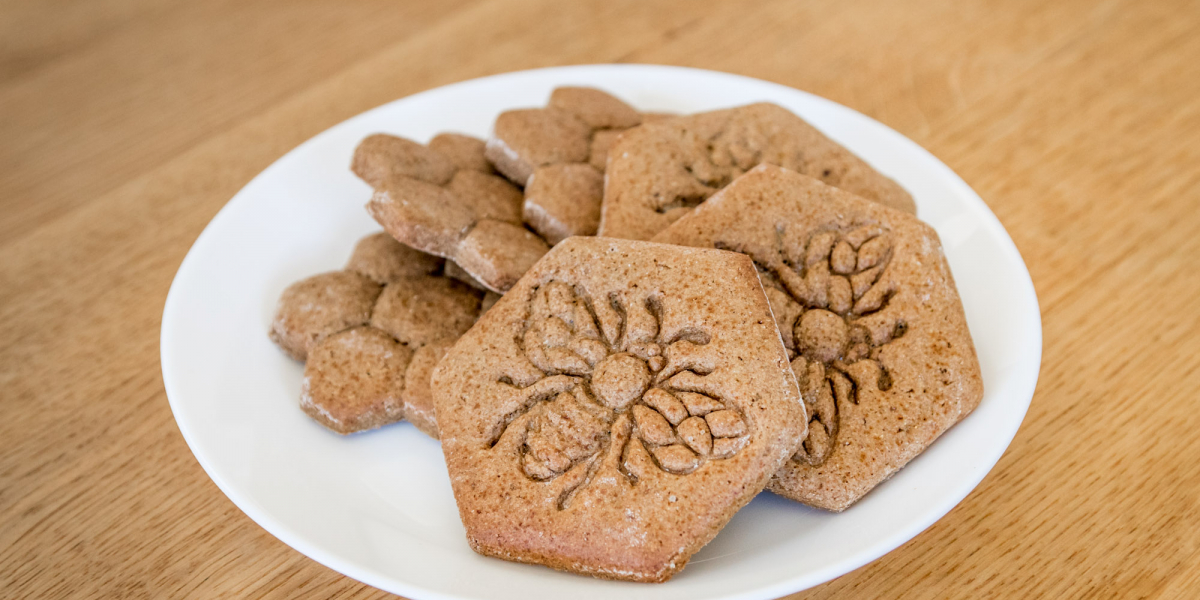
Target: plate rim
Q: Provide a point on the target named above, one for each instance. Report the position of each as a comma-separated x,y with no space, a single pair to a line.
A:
1029,367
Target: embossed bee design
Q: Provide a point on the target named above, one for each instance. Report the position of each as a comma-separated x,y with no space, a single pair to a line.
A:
830,300
608,377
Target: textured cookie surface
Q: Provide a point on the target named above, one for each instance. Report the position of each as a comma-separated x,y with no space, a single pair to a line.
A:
464,151
381,157
497,253
558,154
528,139
318,306
367,380
551,206
422,310
614,409
660,171
447,205
418,391
382,259
867,308
353,380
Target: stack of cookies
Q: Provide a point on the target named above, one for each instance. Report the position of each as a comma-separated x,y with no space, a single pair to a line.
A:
624,326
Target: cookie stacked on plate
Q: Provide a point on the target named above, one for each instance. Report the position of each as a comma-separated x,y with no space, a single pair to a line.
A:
760,310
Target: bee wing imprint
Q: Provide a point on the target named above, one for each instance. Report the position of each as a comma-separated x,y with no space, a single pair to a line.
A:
611,385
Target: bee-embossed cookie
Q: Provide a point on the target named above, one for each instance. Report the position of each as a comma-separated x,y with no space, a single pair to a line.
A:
660,171
558,154
446,206
867,308
615,408
371,335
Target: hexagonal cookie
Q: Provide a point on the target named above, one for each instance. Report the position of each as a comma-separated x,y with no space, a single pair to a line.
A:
660,171
867,307
615,408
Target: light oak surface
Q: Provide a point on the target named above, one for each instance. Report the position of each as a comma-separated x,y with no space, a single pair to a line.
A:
126,124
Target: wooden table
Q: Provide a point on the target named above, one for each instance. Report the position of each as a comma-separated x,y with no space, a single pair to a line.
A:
126,125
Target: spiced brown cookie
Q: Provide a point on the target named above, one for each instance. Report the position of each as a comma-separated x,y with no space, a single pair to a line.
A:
370,349
380,157
425,309
457,212
418,391
558,155
464,151
354,380
551,201
316,307
868,310
382,259
526,140
661,170
615,408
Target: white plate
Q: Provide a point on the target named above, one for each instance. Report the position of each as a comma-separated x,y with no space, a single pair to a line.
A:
378,506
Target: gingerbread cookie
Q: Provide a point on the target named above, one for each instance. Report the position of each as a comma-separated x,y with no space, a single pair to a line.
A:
446,206
384,260
552,206
615,408
319,306
526,140
370,349
380,157
660,171
867,308
418,391
426,309
464,151
558,155
354,380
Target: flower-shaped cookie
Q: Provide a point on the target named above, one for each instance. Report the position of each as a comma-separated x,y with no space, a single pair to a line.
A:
558,154
448,206
445,200
370,335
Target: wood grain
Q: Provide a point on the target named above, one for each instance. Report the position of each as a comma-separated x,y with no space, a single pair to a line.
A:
126,124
